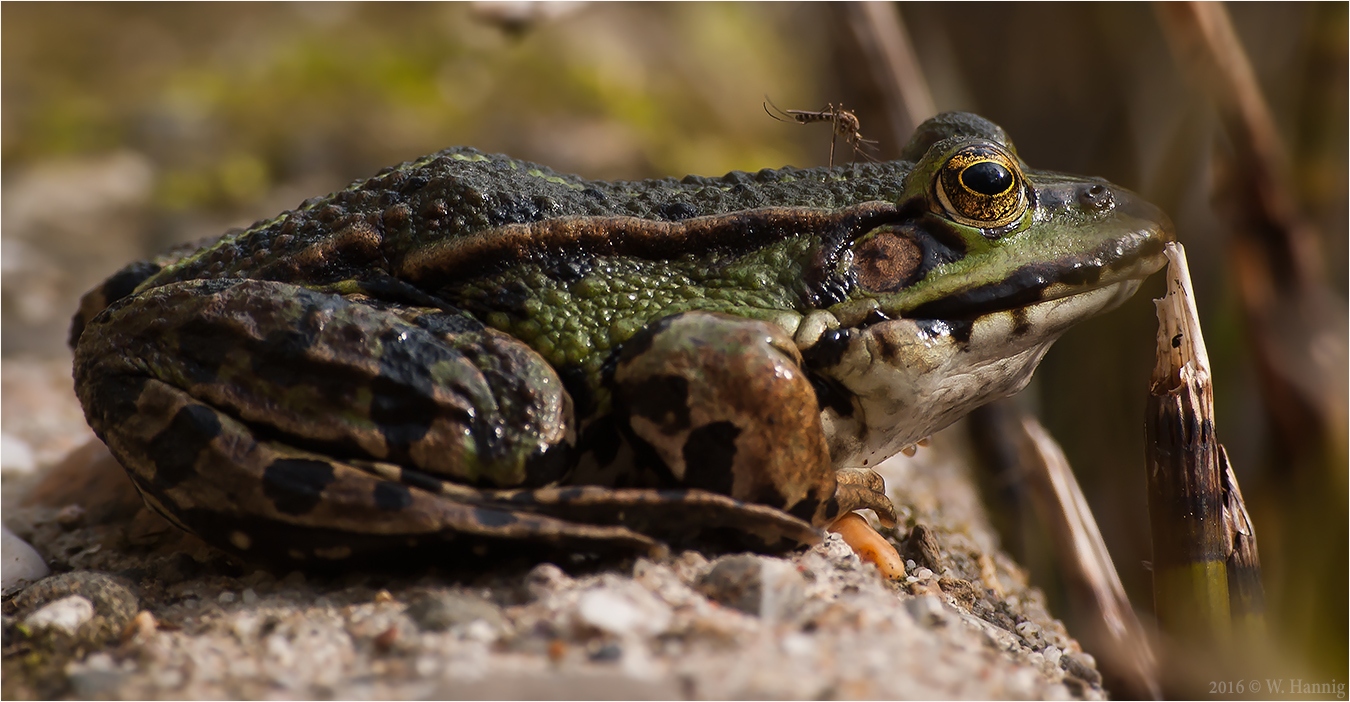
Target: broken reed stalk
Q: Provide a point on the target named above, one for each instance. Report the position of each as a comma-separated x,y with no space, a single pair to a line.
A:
1206,572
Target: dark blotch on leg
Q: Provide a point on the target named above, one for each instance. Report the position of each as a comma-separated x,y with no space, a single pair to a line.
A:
416,478
401,402
602,439
391,497
831,508
663,399
403,416
708,457
641,342
295,485
203,346
175,449
806,509
278,351
547,466
574,381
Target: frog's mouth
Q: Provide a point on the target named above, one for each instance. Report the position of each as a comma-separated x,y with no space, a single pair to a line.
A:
1127,259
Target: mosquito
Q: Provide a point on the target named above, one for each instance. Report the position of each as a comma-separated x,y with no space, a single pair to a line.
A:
845,123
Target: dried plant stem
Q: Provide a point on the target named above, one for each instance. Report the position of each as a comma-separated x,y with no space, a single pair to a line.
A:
1205,568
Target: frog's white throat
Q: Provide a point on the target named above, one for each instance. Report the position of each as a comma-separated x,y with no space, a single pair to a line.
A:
910,378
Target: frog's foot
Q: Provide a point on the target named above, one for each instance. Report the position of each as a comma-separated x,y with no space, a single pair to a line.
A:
862,488
870,546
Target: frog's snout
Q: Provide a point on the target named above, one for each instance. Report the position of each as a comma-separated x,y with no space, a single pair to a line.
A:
1152,220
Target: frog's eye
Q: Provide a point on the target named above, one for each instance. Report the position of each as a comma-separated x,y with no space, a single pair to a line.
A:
980,186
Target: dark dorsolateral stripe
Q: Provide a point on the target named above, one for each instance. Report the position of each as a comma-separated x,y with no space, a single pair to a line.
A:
746,230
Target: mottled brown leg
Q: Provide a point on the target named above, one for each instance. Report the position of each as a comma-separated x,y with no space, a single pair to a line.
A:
722,402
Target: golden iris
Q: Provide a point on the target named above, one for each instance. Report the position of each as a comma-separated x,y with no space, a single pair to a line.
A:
981,186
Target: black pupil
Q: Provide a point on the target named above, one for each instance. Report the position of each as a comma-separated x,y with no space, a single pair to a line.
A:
986,178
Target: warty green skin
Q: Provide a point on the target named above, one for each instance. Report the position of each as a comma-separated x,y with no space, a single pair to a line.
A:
350,375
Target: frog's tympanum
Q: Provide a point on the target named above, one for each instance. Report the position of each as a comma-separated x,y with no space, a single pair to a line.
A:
471,349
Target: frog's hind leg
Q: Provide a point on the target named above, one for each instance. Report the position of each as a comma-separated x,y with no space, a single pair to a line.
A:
315,370
250,411
212,475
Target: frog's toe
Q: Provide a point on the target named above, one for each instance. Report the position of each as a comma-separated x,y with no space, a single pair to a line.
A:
870,546
862,488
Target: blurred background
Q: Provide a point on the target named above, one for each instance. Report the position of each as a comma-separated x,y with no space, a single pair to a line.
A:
127,128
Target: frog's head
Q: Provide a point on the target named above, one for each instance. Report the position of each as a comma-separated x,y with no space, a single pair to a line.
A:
955,303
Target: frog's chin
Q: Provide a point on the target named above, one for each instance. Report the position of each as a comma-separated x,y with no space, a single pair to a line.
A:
912,377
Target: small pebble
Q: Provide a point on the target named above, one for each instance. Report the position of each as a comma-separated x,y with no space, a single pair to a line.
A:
114,603
926,609
736,581
921,547
383,596
799,645
67,615
70,516
94,678
1052,655
606,653
623,613
441,611
20,563
480,630
248,596
140,627
544,579
1081,666
225,597
384,641
16,456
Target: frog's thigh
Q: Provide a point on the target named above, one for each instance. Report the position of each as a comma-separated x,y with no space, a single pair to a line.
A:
346,379
723,403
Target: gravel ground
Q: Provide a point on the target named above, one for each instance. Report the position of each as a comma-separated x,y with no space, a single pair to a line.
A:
135,609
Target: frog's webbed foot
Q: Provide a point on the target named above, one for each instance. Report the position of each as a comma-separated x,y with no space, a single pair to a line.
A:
862,488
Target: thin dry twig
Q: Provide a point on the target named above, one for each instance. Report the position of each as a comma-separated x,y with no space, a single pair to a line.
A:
1087,564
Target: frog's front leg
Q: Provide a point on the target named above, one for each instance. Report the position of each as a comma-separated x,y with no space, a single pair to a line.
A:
723,403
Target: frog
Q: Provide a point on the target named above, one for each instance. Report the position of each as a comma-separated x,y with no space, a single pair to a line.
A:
472,351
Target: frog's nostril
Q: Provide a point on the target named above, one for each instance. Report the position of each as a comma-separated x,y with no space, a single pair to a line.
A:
1098,197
